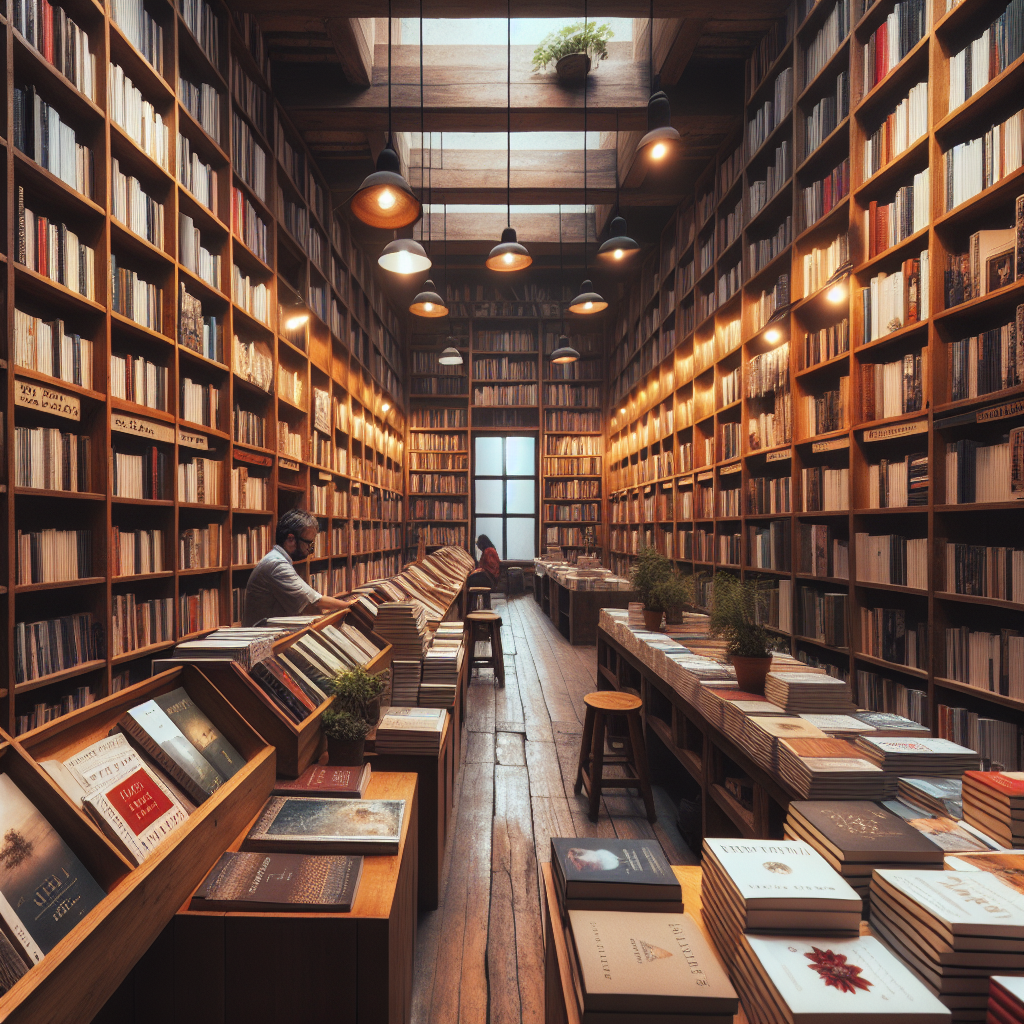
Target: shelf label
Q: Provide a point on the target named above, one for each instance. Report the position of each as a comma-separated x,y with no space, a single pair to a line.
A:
190,440
324,477
835,444
779,456
726,470
1002,412
896,430
288,464
125,424
709,475
36,396
252,458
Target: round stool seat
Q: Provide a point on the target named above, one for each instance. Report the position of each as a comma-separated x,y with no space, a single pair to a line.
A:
483,616
612,701
479,590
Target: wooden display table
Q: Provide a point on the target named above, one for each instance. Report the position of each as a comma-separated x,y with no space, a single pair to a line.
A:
576,613
560,1005
313,968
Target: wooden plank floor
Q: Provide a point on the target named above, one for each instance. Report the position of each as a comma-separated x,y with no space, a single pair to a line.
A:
480,956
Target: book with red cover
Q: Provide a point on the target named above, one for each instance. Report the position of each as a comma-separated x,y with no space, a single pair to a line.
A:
326,780
1006,787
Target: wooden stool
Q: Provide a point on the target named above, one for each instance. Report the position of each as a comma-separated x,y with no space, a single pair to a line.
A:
592,756
479,599
488,625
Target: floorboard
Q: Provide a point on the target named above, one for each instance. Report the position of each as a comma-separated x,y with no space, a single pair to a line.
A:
480,956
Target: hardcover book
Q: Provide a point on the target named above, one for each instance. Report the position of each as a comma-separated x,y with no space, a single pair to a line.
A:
614,869
200,732
261,882
303,824
326,780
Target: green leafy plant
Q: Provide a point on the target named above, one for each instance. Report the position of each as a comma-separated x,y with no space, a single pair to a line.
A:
344,726
581,37
674,593
737,611
650,569
356,690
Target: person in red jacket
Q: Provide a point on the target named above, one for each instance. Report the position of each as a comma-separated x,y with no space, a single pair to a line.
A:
489,567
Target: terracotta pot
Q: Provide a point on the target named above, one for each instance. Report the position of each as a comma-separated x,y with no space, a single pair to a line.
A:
345,752
652,620
573,67
750,672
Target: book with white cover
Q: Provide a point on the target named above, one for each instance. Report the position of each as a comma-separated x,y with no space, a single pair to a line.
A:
413,720
782,873
964,902
909,745
822,980
837,723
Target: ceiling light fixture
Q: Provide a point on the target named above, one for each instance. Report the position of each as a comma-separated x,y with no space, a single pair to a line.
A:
404,256
509,254
428,302
661,137
618,247
451,356
564,353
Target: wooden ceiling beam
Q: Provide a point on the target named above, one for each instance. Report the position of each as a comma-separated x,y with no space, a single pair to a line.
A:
353,40
520,9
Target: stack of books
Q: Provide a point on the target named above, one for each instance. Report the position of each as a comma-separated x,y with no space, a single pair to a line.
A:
954,928
830,769
773,885
762,735
1005,1000
734,706
924,757
246,647
636,614
808,693
404,625
940,796
441,667
887,723
405,682
410,731
785,979
949,834
841,726
449,634
994,803
856,836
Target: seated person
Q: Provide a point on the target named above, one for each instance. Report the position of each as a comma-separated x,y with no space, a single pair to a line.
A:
488,568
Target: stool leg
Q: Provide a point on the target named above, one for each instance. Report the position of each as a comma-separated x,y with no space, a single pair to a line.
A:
471,644
498,653
596,766
636,737
585,743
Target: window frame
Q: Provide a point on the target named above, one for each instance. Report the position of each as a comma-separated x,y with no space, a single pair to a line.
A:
504,477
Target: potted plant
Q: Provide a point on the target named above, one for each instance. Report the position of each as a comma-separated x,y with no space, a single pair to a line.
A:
346,737
354,711
650,568
574,49
736,618
674,594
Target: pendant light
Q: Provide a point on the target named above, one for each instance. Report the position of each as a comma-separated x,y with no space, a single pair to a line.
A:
588,301
451,356
619,246
661,137
385,200
404,256
565,353
509,254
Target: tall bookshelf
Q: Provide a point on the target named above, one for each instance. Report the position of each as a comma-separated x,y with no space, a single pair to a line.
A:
506,334
237,254
822,424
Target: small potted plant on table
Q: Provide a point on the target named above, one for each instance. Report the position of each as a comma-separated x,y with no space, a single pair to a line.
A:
649,570
736,607
354,711
674,595
574,49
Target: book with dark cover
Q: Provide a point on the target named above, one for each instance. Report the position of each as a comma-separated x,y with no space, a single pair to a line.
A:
861,831
44,889
304,824
200,731
326,780
614,869
261,882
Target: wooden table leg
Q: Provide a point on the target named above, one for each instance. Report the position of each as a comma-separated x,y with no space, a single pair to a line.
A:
596,765
636,737
585,745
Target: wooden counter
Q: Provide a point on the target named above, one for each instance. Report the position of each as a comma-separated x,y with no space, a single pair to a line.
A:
577,613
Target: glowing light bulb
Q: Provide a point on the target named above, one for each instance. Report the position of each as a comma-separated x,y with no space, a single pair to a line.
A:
773,334
386,199
836,293
428,307
622,412
385,407
296,321
404,264
618,254
660,149
588,305
508,257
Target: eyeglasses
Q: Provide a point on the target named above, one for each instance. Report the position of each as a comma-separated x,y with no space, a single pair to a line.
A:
307,543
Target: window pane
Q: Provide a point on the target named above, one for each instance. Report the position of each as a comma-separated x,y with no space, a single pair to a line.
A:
492,527
520,497
522,541
489,497
519,453
488,456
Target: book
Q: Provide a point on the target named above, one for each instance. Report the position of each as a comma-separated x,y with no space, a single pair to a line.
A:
200,731
148,725
45,890
326,780
938,795
302,824
613,869
265,882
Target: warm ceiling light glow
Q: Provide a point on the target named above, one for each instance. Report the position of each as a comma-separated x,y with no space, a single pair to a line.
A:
428,302
508,254
385,407
622,412
773,334
386,199
588,305
404,256
296,321
428,307
618,254
836,293
660,149
508,257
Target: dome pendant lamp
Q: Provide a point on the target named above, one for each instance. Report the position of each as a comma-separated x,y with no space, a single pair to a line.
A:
565,353
509,254
450,356
661,137
619,247
428,302
384,199
404,256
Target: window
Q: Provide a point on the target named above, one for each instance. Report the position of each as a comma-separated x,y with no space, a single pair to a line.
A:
505,494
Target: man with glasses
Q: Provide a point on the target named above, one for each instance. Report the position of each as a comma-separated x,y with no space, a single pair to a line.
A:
275,588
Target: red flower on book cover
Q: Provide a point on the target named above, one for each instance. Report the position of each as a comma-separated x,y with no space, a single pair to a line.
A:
833,969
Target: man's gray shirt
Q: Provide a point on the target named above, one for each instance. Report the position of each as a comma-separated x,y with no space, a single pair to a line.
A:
275,588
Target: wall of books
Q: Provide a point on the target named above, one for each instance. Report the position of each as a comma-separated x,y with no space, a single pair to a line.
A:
818,380
235,358
508,385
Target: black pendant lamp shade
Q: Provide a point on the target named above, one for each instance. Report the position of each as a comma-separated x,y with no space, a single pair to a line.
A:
565,353
428,302
451,356
661,137
509,253
588,301
384,199
619,246
404,256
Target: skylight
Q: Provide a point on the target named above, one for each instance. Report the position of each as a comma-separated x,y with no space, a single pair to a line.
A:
561,141
486,31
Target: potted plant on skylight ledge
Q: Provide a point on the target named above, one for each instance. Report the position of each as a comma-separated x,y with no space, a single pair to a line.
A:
573,49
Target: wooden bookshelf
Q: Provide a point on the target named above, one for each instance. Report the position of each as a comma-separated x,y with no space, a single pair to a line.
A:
672,354
349,468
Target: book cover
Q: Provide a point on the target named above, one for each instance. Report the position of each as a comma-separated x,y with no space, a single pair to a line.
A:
44,889
647,963
1008,786
259,882
861,831
200,731
949,835
326,780
323,824
613,869
1006,865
